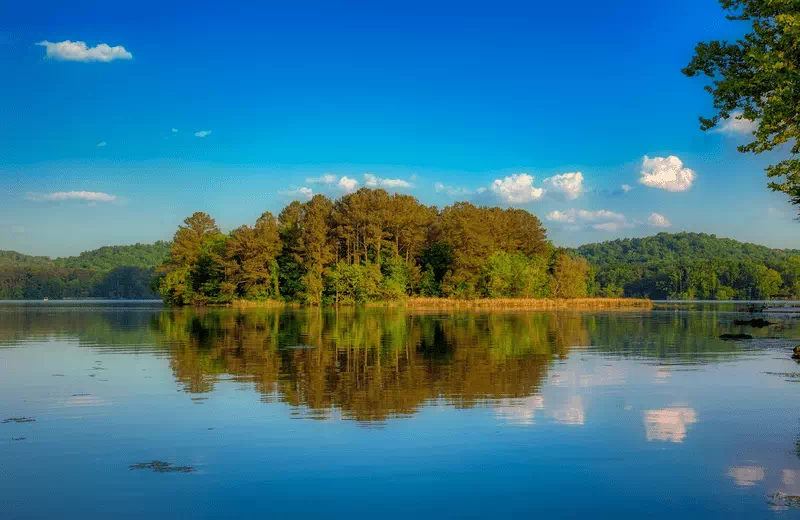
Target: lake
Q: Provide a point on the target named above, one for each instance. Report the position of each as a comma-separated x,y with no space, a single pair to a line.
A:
112,409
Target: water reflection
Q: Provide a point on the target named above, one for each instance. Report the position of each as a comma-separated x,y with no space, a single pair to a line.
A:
374,364
519,411
369,365
747,476
486,404
572,412
668,424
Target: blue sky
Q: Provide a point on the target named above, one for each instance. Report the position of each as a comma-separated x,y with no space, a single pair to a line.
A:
500,103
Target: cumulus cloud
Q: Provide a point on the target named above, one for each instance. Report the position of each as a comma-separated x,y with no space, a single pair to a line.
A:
626,188
174,130
373,181
736,124
346,184
572,216
91,196
202,133
666,173
599,220
570,185
102,144
452,191
519,188
658,220
79,51
303,193
516,189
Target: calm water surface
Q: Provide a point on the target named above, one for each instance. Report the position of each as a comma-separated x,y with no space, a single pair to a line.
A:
389,413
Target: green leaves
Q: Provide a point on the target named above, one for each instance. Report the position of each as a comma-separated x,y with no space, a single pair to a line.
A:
759,76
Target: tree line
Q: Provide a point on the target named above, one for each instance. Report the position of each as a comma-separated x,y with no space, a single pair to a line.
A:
117,272
692,266
369,246
402,248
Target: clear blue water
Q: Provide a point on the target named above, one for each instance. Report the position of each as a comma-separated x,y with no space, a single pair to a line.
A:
388,413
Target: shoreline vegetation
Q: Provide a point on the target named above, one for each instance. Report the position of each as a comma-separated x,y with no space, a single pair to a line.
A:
479,303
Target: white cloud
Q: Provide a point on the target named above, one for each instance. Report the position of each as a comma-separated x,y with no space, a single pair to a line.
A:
325,179
202,133
174,130
452,191
568,184
658,220
92,196
346,184
101,144
17,229
303,193
78,51
666,173
626,188
373,181
516,189
606,226
599,220
736,124
572,216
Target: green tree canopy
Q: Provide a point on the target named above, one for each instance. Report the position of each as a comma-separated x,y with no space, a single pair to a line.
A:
757,78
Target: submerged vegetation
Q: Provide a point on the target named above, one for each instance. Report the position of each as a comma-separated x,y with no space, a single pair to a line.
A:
158,466
370,246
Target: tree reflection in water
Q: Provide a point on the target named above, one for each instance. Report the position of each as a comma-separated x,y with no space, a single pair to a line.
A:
369,364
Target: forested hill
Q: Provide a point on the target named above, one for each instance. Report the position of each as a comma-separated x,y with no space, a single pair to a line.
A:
692,266
14,259
672,247
107,272
107,258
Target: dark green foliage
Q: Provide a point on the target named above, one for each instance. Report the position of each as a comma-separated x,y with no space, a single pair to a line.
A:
692,266
109,272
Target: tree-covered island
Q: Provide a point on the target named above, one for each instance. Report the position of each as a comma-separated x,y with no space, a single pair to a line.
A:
370,246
